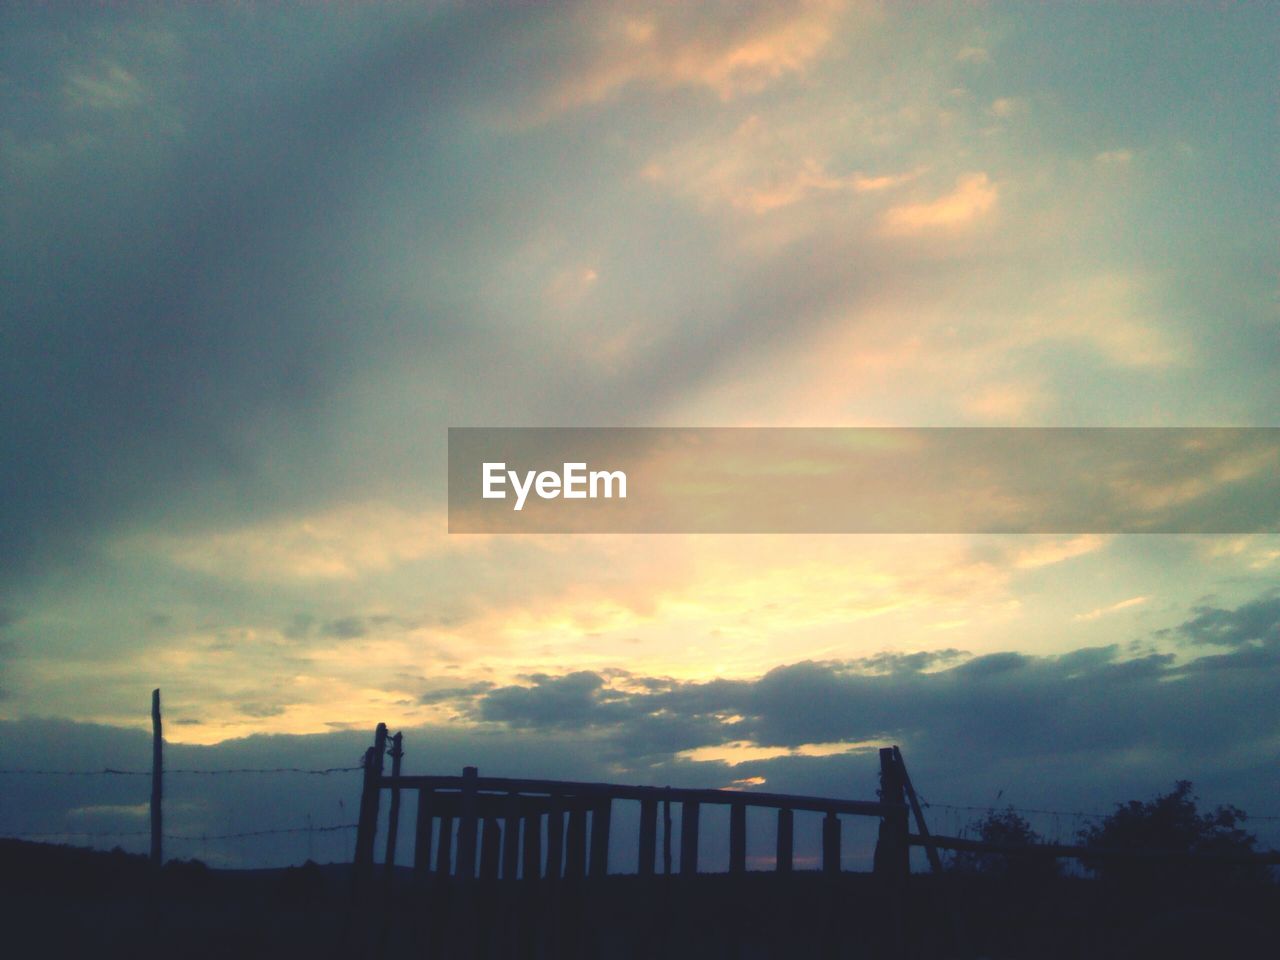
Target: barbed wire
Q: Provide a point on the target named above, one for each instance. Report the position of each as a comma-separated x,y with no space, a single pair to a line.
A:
113,772
1083,814
332,828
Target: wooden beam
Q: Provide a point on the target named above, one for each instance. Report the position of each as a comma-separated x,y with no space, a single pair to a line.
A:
587,792
931,851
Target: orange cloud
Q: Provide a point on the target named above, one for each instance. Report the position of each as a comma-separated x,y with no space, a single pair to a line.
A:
973,197
728,48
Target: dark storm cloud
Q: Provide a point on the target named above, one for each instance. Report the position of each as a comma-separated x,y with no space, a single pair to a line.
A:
1044,710
455,693
1255,622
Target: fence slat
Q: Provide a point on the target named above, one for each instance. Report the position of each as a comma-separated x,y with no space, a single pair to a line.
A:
468,824
532,845
555,839
689,838
490,848
444,848
831,843
666,838
738,838
511,837
786,839
601,814
575,866
422,836
648,836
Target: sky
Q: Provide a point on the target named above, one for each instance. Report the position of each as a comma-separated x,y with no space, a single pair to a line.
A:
258,258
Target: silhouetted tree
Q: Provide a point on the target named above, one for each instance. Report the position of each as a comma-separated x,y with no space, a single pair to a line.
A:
1172,822
1009,829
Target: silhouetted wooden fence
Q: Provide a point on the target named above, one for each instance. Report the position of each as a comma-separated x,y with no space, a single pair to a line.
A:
478,841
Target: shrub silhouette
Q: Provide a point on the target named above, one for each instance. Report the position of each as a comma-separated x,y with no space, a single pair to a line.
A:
1173,823
1007,828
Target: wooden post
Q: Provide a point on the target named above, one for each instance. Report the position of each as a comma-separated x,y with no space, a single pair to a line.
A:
575,865
892,857
648,835
532,844
666,837
444,847
511,837
830,843
490,848
468,822
738,838
689,838
555,839
393,811
422,836
157,783
935,861
786,839
367,825
601,814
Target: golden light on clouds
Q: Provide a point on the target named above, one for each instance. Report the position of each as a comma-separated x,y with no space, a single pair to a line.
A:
974,197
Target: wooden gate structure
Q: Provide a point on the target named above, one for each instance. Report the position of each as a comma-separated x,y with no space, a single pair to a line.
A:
485,841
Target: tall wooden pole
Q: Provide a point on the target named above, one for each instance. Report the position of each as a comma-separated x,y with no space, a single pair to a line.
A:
393,813
368,821
157,782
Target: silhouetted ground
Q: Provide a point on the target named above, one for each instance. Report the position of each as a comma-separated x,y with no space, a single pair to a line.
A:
68,902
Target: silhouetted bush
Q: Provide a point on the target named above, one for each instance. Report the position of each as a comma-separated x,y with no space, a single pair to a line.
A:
1007,828
1173,824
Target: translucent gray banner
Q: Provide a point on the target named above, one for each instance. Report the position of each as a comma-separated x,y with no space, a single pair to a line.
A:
864,480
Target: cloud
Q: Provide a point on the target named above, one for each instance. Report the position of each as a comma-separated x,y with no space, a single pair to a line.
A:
1097,612
973,198
1004,108
342,543
1079,730
730,49
1256,622
973,55
1090,699
108,86
762,166
1114,158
